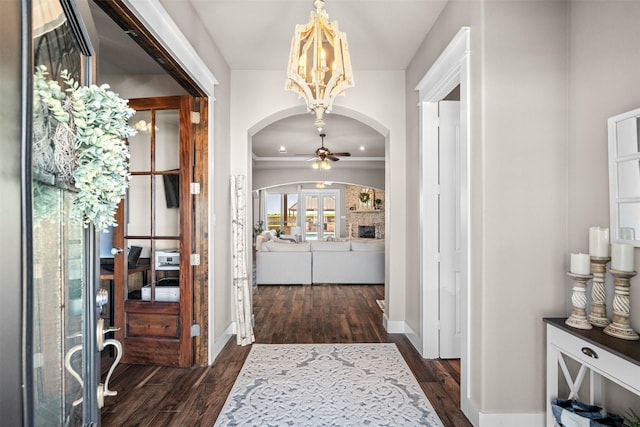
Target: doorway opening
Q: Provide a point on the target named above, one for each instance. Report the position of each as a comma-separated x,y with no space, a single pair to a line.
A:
448,72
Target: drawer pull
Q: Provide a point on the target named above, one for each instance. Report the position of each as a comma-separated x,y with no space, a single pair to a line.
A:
589,352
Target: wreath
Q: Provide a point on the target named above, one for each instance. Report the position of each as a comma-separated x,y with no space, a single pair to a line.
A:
79,143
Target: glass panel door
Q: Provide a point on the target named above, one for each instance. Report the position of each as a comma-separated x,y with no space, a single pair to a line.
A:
62,382
321,214
311,230
153,282
329,216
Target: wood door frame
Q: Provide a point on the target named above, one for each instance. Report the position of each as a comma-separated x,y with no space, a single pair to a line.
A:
198,81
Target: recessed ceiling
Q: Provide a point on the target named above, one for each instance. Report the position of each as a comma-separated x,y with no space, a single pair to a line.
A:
300,138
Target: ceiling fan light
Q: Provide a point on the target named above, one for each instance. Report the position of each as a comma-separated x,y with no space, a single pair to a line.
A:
325,165
315,165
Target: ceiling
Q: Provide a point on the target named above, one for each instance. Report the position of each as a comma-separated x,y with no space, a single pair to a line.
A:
256,35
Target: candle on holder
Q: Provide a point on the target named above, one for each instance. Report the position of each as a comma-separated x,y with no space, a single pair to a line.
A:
622,257
580,264
599,242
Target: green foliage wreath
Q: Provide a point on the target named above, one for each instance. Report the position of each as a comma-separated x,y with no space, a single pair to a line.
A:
78,139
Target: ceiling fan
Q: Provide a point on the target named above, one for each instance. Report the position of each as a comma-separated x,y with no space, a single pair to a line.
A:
323,153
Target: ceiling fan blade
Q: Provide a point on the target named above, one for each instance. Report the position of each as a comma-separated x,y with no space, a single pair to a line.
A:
334,158
341,154
311,159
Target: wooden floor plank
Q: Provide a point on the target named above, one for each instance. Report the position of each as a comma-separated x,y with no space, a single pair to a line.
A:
284,314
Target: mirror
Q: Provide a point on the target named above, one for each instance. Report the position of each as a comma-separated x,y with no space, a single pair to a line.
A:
624,177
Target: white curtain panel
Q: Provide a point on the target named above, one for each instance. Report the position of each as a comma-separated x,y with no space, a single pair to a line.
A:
241,286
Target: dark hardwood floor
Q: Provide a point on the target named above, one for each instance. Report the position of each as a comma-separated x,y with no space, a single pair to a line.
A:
161,396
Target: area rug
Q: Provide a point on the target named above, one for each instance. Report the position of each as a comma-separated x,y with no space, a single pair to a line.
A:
326,385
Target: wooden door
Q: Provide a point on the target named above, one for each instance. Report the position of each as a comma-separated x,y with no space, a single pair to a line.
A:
153,298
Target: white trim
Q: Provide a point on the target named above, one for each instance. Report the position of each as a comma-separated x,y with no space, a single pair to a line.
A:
509,420
449,70
442,77
394,326
155,18
158,21
413,337
222,340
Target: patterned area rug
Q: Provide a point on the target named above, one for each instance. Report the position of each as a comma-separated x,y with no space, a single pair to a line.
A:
326,385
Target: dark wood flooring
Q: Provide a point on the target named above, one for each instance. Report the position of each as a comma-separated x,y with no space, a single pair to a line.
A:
161,396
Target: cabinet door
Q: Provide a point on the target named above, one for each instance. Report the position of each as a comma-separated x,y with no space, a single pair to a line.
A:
153,293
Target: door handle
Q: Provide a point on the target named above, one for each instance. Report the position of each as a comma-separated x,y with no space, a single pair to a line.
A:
116,251
101,331
103,388
74,374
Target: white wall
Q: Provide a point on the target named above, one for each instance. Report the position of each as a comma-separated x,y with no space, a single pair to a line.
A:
518,155
219,171
604,74
377,100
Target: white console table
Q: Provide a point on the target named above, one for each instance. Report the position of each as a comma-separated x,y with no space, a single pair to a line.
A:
598,354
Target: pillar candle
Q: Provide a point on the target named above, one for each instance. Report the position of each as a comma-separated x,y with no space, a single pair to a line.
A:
599,242
580,264
622,257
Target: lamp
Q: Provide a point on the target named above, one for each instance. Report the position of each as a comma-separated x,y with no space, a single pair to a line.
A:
314,47
322,164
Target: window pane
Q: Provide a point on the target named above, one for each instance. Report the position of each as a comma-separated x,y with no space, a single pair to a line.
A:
140,143
167,205
329,216
628,136
274,211
139,206
167,134
311,217
629,179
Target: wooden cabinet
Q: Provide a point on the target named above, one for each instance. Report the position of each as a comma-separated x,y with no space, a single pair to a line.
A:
599,356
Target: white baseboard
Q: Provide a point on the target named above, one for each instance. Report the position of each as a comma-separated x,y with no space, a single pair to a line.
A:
222,341
414,339
393,326
510,420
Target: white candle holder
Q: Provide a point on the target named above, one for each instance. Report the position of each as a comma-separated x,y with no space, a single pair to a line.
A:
578,318
598,314
620,325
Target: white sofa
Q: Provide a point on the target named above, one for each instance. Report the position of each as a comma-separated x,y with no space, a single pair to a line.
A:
317,262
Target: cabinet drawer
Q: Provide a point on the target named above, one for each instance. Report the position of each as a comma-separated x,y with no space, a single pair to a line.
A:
607,364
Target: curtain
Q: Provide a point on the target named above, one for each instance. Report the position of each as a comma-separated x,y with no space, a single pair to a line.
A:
241,286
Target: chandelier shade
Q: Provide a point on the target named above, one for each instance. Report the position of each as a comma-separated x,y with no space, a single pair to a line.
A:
319,63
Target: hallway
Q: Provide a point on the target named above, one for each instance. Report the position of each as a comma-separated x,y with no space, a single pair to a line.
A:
160,396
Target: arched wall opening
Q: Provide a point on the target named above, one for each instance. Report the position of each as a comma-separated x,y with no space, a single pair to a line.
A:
367,174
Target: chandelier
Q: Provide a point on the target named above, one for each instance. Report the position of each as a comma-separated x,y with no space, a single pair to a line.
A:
319,64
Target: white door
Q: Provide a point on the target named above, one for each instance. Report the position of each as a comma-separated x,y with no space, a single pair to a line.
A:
321,214
450,229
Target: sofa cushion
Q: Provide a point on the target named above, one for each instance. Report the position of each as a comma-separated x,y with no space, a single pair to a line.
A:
373,246
286,247
319,246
